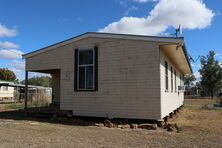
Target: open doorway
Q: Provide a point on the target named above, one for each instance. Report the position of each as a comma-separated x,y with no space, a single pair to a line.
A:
43,88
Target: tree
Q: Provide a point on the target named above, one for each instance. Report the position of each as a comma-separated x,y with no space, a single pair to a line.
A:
211,73
189,84
7,75
45,81
188,80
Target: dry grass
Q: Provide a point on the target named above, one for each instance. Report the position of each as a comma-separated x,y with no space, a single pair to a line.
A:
200,123
200,128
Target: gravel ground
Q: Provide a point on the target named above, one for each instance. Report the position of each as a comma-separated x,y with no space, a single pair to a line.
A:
200,128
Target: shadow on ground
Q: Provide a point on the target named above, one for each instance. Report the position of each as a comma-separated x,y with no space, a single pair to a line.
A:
21,115
63,119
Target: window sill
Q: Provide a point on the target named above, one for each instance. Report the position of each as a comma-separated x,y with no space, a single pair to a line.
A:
92,90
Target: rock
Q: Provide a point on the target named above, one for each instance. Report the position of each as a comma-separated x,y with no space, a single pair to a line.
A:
166,119
99,124
172,127
115,125
120,126
177,128
34,123
171,115
160,123
148,126
108,123
134,126
125,126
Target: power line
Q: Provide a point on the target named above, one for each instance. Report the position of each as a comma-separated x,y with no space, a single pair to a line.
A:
13,51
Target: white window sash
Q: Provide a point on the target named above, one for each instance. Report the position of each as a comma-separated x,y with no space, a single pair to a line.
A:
86,65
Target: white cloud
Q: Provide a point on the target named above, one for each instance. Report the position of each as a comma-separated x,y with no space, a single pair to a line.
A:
7,32
196,65
191,14
127,2
36,74
18,65
145,1
123,2
197,76
8,45
17,72
218,55
62,20
130,9
10,54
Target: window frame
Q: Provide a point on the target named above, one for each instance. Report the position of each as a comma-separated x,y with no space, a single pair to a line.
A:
171,71
166,77
5,88
85,67
175,79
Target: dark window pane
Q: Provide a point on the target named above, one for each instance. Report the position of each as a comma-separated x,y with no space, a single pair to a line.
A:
85,57
81,77
171,70
89,77
175,80
166,75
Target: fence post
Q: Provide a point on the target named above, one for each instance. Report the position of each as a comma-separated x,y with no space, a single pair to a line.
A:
26,90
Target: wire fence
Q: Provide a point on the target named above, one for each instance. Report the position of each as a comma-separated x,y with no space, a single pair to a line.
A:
35,98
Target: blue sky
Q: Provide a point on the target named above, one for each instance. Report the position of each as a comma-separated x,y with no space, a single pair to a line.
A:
27,25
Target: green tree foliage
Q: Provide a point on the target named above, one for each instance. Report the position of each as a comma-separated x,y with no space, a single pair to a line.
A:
189,84
211,73
45,81
188,80
7,75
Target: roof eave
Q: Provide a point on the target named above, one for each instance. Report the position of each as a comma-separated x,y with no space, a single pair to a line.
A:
105,35
187,57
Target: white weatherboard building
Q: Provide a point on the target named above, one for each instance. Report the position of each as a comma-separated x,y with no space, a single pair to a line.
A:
115,75
11,92
5,91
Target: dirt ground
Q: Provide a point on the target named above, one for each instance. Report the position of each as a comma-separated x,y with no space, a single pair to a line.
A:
201,127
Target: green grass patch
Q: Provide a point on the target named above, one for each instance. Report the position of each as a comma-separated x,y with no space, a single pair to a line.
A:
38,103
14,106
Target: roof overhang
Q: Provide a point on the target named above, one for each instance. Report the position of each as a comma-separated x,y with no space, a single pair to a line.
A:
173,47
107,36
178,56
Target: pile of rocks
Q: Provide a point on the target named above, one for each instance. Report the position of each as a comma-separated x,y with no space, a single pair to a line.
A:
149,126
109,124
172,127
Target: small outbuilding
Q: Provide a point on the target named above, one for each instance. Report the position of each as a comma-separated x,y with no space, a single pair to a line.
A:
6,93
115,75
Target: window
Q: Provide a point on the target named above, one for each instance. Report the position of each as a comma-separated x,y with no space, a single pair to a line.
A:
175,73
180,79
5,88
166,75
85,70
171,69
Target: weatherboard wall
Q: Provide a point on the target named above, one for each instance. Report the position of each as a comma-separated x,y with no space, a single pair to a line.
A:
170,99
6,92
128,78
